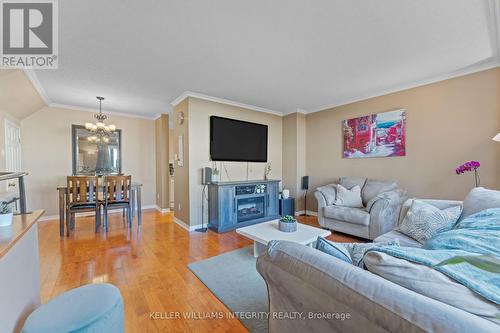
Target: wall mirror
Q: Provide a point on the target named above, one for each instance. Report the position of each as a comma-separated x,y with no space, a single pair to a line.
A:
93,155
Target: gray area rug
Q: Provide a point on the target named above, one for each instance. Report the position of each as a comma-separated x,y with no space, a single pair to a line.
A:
234,280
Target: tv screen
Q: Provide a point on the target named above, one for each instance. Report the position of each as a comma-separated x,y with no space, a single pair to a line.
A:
235,140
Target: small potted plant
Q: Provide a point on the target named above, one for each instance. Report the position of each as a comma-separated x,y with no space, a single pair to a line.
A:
5,214
288,224
215,175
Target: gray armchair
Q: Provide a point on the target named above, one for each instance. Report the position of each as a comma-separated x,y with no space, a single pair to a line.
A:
382,202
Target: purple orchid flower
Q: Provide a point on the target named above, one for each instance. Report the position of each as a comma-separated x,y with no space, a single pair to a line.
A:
470,166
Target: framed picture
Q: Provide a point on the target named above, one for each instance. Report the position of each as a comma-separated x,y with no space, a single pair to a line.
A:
376,135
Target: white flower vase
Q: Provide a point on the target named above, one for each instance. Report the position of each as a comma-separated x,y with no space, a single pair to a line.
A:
6,219
285,193
215,178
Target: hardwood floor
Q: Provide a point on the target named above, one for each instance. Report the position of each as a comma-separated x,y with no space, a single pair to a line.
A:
148,264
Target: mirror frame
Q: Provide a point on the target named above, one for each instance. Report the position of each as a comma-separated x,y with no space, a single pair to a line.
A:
74,143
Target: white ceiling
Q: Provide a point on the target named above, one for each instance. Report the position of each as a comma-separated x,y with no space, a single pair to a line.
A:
280,55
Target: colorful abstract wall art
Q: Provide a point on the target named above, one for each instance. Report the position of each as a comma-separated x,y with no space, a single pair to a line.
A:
377,135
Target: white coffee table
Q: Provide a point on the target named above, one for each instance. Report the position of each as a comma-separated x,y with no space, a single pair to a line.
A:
263,233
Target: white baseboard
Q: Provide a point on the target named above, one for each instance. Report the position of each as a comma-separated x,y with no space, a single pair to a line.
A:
162,210
185,226
309,212
45,218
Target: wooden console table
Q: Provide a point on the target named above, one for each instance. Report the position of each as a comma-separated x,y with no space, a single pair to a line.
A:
19,271
135,201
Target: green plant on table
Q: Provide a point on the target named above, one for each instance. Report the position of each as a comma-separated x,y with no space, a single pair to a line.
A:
288,219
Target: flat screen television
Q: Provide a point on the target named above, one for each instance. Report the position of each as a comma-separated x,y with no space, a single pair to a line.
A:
239,141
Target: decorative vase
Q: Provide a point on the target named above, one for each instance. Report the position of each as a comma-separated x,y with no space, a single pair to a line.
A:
215,178
285,193
6,219
287,226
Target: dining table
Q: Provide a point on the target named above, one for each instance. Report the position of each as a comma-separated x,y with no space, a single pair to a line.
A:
135,202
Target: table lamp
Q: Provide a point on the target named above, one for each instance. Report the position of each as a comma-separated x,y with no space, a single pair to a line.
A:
496,137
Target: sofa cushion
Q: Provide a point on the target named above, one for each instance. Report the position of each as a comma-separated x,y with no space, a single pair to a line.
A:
479,199
350,182
402,238
329,192
347,214
373,187
348,198
431,283
424,220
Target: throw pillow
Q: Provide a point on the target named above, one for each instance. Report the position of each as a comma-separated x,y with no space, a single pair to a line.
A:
351,253
329,193
337,250
348,198
424,221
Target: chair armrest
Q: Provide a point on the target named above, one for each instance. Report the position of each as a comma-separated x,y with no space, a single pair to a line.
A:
394,195
320,198
384,211
321,204
304,280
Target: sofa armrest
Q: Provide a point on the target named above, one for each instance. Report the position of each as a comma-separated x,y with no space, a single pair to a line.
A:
321,204
305,281
441,204
384,211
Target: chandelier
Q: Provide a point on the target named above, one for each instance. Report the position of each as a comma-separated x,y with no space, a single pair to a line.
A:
100,130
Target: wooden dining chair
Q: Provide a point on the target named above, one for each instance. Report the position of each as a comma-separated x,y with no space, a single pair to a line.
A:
117,194
82,197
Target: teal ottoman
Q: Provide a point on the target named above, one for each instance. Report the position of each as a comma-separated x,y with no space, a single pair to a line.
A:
91,308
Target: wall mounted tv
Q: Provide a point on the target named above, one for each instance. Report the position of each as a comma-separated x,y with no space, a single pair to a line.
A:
235,140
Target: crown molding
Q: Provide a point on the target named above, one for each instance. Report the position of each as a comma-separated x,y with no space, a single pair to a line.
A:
30,73
187,94
493,21
490,64
92,110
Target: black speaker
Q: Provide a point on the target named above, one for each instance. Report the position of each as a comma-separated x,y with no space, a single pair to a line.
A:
206,175
305,182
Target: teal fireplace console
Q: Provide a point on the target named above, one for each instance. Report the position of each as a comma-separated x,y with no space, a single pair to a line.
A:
237,204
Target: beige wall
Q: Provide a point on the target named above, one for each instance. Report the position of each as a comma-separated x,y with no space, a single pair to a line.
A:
46,151
162,156
448,123
294,163
199,149
18,99
181,184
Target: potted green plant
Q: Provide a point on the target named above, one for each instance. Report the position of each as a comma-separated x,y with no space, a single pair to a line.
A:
287,223
5,214
215,175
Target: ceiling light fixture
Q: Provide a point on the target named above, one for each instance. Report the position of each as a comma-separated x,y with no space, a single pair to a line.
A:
100,129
